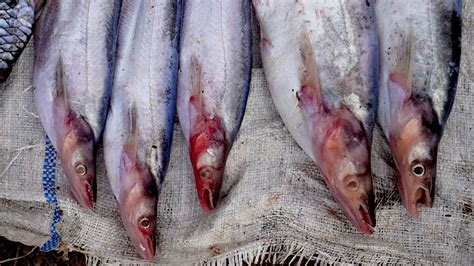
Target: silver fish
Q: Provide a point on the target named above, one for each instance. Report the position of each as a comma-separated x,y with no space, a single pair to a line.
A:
74,48
16,26
139,129
420,46
214,79
320,61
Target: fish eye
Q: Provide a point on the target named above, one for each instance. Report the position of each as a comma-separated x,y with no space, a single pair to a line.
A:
81,169
144,222
205,174
351,182
352,185
418,170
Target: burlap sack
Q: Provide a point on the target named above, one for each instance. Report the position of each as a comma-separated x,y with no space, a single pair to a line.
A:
274,203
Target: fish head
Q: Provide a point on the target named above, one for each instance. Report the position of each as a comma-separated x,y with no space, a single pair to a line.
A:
77,154
414,149
137,202
208,170
138,211
345,164
208,156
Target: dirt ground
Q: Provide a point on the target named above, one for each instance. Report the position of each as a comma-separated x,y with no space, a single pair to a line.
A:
10,250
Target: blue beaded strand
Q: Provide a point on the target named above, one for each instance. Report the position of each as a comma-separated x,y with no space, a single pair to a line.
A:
49,186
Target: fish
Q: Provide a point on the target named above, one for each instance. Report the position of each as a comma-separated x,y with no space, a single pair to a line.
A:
139,128
74,45
420,51
320,60
213,86
17,18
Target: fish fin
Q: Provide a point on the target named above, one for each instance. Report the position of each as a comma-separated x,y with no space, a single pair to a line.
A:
383,149
59,81
38,6
129,154
197,90
402,70
60,93
132,121
310,91
195,73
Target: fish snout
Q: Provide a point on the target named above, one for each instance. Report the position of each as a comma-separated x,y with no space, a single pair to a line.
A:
141,232
146,247
208,183
414,192
82,188
208,199
367,214
362,214
357,203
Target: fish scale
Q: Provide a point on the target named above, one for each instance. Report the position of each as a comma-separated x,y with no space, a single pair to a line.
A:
16,25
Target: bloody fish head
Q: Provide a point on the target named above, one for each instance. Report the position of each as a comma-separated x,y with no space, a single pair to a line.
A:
208,156
345,163
138,209
414,149
77,155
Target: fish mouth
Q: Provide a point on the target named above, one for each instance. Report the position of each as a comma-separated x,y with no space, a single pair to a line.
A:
362,217
83,191
208,183
208,199
366,219
360,212
146,248
412,197
142,240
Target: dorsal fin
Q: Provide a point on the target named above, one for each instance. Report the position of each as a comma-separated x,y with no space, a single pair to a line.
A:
197,90
61,104
195,73
133,171
60,83
132,121
310,91
38,7
130,147
402,66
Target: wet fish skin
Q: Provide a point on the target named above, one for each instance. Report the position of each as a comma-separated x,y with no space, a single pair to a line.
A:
213,85
320,61
16,26
420,55
74,47
138,134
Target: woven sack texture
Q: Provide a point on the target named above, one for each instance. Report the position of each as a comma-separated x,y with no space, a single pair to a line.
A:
274,204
